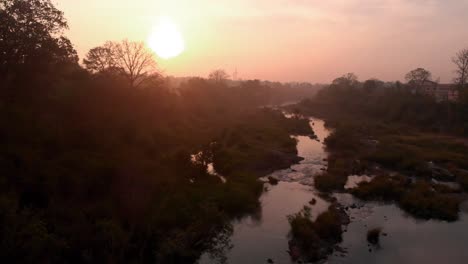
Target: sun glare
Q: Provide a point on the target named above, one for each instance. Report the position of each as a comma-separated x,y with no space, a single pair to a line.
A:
166,40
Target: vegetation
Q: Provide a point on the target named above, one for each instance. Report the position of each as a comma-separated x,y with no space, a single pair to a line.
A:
420,199
315,240
327,182
260,143
347,100
95,165
131,60
423,201
461,63
380,129
373,236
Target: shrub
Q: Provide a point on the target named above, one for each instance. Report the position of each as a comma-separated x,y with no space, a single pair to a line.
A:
327,182
384,188
315,239
424,202
373,236
420,199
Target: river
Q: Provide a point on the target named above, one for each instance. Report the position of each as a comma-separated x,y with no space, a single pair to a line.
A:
257,239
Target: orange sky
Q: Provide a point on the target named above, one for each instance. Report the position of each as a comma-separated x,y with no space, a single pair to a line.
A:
281,40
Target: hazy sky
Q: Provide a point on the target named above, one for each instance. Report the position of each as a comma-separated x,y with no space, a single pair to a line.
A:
286,40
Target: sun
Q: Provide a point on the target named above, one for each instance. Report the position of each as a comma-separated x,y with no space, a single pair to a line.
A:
166,39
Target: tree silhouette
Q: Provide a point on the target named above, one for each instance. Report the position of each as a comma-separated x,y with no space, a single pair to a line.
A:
218,76
31,36
133,59
347,80
418,77
136,60
461,62
372,85
100,59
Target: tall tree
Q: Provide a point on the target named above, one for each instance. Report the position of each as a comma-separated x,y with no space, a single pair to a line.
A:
347,80
133,59
218,76
100,59
418,77
31,36
461,62
372,85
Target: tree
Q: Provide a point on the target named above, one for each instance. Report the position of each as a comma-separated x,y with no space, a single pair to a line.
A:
372,85
461,62
133,59
100,59
347,80
136,60
31,36
218,76
418,77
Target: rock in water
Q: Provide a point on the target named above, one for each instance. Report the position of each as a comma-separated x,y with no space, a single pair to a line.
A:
272,180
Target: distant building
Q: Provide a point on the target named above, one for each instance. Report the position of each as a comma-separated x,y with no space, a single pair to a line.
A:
447,92
441,92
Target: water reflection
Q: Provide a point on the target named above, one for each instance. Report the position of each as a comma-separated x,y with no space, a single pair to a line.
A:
314,154
264,236
255,239
408,241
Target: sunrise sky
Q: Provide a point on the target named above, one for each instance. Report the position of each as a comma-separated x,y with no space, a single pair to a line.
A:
286,40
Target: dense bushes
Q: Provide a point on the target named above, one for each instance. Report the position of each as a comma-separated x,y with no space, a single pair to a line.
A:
424,202
362,143
327,182
314,240
93,171
390,103
382,187
420,199
260,143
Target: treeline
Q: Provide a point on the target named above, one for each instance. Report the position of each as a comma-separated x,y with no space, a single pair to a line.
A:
397,132
255,91
347,99
95,165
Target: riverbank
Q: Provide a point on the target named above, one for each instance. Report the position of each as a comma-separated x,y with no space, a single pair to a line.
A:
423,173
265,234
260,145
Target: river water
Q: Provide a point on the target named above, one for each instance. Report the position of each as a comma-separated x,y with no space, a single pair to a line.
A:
257,239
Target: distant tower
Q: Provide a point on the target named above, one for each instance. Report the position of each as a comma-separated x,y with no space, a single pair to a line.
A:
234,75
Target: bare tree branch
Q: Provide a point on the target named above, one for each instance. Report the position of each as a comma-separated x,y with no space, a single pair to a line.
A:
133,59
461,62
218,76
